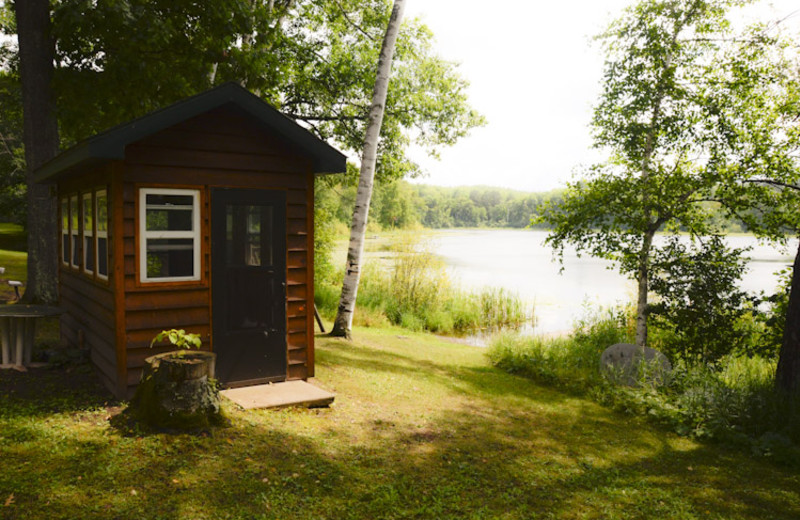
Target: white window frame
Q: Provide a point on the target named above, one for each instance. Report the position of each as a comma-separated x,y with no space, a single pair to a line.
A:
100,234
144,235
66,236
74,231
88,233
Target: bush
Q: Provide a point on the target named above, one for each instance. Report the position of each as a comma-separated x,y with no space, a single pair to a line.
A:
732,400
699,305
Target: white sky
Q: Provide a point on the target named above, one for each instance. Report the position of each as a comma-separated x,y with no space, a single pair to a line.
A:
534,74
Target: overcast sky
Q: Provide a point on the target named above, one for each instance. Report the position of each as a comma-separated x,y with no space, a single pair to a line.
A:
534,74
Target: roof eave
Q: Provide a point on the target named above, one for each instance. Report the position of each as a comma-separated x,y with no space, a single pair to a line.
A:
110,145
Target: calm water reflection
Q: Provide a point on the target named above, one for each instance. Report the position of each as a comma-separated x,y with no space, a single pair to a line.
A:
517,260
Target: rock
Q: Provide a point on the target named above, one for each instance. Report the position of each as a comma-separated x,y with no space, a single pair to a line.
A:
623,363
178,391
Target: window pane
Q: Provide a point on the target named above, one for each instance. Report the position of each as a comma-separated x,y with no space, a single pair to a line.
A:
65,230
169,212
65,215
88,257
170,257
73,213
102,256
102,211
169,219
88,215
176,201
76,258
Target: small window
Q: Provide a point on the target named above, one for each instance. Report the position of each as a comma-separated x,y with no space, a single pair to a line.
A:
88,234
75,257
65,236
101,222
169,229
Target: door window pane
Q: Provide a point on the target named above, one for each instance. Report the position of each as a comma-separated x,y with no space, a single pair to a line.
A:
248,231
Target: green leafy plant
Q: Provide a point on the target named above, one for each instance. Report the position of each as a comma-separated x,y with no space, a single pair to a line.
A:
178,337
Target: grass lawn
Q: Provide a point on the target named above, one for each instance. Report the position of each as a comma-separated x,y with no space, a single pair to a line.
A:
421,428
13,244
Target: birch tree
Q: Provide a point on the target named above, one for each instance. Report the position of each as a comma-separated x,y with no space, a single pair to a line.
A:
347,302
678,116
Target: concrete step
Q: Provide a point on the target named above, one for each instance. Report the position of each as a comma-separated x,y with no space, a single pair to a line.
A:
279,395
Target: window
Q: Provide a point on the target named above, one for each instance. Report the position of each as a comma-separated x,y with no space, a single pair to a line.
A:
88,234
65,231
73,231
101,221
169,230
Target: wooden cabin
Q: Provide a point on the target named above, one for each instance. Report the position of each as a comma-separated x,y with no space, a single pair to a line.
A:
199,217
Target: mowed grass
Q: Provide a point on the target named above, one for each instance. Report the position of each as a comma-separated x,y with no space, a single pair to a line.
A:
13,244
421,428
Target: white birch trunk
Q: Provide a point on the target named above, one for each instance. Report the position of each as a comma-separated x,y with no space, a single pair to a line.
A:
643,286
347,302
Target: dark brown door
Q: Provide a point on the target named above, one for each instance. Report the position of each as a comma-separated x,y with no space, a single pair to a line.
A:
248,273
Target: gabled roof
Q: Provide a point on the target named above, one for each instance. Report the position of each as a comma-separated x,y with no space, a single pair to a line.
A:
110,145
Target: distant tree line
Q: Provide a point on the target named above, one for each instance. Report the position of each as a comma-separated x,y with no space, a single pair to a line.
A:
403,205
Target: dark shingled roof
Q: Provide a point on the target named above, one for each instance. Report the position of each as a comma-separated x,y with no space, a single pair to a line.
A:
110,145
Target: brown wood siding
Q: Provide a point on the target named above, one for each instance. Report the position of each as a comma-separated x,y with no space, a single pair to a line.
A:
91,319
90,316
218,149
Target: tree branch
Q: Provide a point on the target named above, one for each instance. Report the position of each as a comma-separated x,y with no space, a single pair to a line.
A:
308,119
351,22
773,183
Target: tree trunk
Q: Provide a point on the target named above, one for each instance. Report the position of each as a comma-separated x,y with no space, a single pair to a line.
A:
347,302
786,375
643,279
40,135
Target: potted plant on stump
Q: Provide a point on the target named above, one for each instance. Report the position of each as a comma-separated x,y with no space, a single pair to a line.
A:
178,389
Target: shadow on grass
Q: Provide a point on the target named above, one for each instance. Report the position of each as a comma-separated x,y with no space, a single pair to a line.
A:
44,391
13,237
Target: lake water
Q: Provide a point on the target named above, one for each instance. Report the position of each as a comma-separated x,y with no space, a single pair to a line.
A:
518,261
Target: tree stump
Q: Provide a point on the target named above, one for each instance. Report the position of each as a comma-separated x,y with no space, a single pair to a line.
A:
178,391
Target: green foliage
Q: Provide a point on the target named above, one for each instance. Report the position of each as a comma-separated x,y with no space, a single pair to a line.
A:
416,293
399,204
324,234
178,337
731,401
690,112
698,302
314,60
773,319
12,159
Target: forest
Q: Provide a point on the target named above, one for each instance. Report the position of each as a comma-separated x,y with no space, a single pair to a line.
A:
405,205
400,204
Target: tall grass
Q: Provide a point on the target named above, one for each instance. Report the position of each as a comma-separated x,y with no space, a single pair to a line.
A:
415,292
731,401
